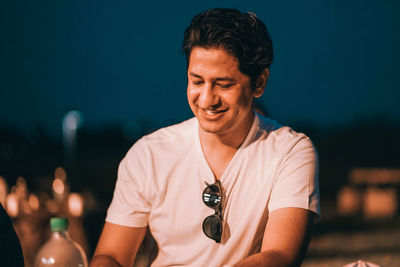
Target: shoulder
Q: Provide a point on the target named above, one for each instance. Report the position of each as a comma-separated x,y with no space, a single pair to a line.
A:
161,148
166,139
180,130
281,137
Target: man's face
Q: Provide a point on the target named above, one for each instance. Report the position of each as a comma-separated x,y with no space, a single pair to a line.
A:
219,95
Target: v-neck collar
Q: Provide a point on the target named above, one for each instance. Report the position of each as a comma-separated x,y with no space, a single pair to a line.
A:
209,175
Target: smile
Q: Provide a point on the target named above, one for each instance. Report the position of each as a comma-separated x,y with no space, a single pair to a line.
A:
214,112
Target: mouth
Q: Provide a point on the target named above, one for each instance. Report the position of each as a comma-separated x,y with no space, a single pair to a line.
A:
214,111
212,114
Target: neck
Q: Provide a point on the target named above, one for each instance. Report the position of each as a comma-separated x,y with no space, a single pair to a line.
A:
219,149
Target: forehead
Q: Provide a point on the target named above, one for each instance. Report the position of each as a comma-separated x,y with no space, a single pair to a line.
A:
212,60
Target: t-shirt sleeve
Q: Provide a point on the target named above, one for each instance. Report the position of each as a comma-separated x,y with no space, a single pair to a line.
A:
296,183
130,206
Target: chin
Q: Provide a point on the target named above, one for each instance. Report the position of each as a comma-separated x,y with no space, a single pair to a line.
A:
211,127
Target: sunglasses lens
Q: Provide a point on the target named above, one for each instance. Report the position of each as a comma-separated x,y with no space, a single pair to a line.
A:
212,195
212,227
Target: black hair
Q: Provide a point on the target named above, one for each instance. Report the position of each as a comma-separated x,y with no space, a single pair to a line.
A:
243,35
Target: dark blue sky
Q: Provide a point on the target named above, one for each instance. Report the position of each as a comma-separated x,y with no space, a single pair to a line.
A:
336,61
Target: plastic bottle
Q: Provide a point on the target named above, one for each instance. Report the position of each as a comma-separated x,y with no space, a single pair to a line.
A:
60,250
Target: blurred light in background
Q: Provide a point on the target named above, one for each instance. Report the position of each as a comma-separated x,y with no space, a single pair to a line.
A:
371,192
75,204
72,120
12,205
58,186
33,202
70,124
30,212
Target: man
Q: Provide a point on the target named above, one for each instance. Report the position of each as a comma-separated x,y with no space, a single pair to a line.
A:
228,187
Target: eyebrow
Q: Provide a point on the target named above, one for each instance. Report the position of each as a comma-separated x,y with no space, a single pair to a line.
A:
195,75
217,79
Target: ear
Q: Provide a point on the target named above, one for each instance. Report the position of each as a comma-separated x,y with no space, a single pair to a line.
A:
261,83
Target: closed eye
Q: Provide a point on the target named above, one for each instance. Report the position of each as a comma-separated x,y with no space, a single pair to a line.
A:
197,82
222,85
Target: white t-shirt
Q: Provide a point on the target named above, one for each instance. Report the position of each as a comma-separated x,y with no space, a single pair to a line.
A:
162,177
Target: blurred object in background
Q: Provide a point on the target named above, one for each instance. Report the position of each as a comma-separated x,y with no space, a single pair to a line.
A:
346,240
71,123
31,213
361,263
380,203
75,204
75,210
349,201
60,250
375,176
12,205
33,202
60,186
372,192
26,218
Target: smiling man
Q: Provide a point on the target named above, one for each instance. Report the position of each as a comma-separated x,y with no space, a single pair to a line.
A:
228,187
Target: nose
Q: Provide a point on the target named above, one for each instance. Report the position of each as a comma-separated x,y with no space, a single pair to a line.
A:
207,97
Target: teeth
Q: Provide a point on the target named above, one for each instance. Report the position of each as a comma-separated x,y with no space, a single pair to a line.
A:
210,112
213,112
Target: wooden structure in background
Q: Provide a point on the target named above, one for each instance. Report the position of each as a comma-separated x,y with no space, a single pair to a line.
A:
372,192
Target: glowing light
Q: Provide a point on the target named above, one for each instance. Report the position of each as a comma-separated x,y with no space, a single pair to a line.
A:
75,204
58,186
72,120
70,124
12,205
33,202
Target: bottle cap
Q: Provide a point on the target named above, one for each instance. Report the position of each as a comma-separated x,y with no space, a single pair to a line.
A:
58,224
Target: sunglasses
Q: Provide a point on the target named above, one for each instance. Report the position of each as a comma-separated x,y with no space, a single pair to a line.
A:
212,197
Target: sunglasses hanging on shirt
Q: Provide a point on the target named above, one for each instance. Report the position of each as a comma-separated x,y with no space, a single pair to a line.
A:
212,197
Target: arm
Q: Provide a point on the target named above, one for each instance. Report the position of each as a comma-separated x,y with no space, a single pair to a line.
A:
118,245
286,239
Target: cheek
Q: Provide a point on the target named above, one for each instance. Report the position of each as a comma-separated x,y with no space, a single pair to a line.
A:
191,95
247,97
247,100
238,100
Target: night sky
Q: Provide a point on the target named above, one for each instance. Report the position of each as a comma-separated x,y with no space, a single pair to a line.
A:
336,61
